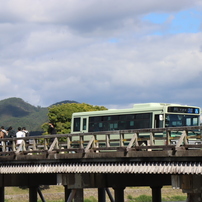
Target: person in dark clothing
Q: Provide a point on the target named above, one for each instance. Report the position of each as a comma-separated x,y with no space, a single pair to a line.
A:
52,130
11,134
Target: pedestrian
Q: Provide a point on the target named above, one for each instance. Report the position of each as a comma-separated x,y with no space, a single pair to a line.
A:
19,134
26,135
25,131
5,133
52,130
11,134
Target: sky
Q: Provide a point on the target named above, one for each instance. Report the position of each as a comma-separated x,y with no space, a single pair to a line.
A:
110,53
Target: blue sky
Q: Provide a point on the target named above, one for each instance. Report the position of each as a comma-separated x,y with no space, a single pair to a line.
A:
186,21
150,51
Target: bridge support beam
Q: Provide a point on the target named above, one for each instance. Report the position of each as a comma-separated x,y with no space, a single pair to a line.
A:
2,194
119,194
67,192
33,193
194,197
79,197
101,195
109,194
156,193
190,184
41,195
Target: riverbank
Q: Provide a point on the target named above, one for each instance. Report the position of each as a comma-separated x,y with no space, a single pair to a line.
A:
14,194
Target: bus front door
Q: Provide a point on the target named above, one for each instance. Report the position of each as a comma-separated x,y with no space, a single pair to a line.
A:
159,124
84,128
158,121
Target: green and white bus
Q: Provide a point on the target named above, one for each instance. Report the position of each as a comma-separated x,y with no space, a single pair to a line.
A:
141,116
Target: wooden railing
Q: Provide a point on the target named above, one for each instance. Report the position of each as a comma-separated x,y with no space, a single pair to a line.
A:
122,140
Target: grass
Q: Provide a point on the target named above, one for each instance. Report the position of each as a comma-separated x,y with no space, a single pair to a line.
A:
91,199
132,194
146,198
141,198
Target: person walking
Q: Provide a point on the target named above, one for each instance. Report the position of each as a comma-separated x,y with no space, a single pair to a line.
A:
52,130
5,133
19,134
26,135
11,134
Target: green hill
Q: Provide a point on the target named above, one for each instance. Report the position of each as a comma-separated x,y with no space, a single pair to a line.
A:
16,112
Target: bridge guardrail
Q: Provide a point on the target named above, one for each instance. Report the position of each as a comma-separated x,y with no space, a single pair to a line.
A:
105,141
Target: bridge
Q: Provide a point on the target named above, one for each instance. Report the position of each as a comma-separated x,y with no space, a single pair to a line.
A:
103,160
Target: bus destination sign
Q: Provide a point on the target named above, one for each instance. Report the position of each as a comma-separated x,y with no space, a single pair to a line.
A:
189,110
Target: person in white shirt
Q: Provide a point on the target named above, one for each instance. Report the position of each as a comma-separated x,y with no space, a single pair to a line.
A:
25,131
19,134
26,135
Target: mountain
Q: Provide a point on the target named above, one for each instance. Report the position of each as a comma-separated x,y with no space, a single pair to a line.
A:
16,112
64,102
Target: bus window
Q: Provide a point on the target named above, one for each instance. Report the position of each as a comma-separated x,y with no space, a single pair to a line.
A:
84,123
77,124
188,122
120,122
195,121
175,120
132,123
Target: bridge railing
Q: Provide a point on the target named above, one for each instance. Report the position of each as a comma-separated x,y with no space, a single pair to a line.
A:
122,140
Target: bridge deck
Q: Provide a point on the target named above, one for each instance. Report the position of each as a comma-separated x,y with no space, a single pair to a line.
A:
130,151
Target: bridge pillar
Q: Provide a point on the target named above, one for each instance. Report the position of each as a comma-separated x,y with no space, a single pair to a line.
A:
79,195
194,197
2,194
156,193
33,193
101,195
67,192
119,194
190,184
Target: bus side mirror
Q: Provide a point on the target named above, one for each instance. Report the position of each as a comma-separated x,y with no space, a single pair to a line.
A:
161,117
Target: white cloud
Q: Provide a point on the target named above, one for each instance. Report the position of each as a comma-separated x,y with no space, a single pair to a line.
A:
99,52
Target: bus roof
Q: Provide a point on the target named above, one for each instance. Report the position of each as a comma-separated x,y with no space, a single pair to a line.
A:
136,108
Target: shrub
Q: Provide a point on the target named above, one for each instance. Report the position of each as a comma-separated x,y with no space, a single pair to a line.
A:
131,199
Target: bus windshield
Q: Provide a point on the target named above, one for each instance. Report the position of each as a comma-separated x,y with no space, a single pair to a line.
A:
176,120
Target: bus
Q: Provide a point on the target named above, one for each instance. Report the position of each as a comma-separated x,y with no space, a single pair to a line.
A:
141,116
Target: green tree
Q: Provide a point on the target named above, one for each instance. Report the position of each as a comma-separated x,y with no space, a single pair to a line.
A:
61,115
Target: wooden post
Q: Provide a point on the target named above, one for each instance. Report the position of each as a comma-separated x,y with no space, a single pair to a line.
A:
119,194
109,195
194,197
41,195
67,192
2,194
79,196
156,193
101,195
33,193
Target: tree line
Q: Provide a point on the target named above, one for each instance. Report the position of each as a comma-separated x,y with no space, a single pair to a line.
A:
61,115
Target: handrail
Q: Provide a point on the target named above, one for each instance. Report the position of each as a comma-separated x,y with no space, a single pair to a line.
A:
129,140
